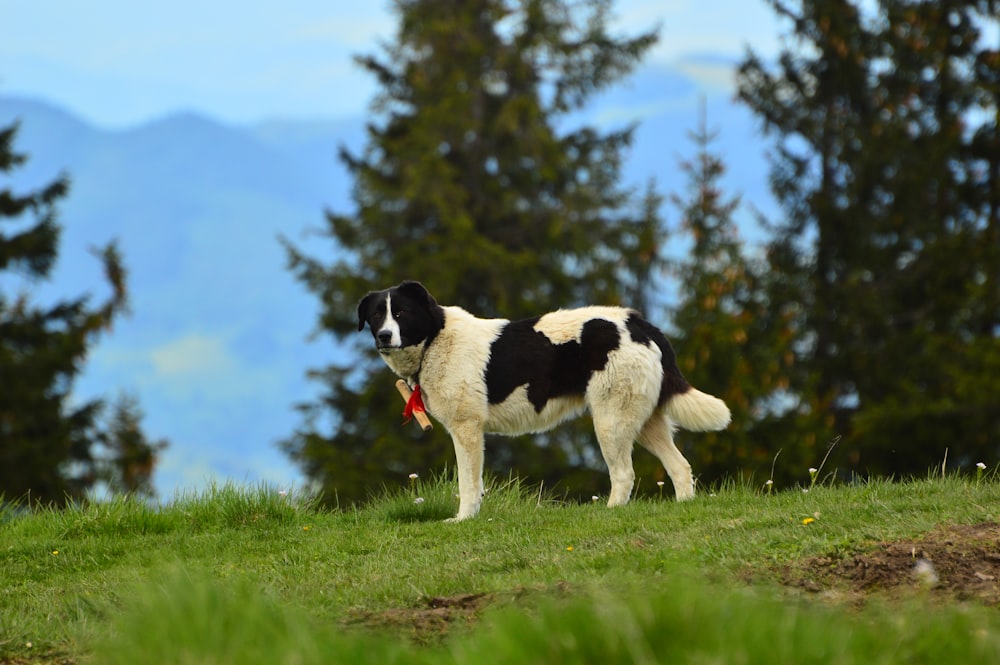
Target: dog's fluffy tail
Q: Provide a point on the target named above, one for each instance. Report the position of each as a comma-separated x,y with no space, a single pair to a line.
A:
696,411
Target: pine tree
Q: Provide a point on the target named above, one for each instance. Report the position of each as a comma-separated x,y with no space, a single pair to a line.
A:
886,166
729,341
49,445
129,457
471,183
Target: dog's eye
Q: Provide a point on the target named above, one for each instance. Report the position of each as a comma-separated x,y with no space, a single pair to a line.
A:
397,314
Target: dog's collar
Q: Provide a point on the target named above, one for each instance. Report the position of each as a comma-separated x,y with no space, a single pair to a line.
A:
415,379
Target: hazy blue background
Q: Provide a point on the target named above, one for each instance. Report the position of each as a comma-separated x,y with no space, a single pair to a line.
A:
197,132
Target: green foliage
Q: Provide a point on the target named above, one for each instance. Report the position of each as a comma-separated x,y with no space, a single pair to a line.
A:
471,183
248,574
887,164
49,445
422,501
678,622
129,456
189,619
186,617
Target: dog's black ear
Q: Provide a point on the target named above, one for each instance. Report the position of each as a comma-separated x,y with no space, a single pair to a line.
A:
417,291
364,309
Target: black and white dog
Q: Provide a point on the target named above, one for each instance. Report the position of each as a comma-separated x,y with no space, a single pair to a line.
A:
515,377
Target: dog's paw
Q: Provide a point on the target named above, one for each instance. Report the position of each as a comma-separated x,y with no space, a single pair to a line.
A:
461,517
685,495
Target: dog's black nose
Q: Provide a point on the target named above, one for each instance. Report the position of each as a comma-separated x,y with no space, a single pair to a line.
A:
384,336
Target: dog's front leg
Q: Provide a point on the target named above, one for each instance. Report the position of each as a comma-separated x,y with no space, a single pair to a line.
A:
468,439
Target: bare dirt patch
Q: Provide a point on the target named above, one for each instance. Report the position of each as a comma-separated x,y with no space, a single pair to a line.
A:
951,562
436,618
431,620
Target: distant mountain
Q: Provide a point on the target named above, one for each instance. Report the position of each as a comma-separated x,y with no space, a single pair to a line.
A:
45,125
314,147
164,185
216,347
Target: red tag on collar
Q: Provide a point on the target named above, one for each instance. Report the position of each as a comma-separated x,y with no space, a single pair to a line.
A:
414,404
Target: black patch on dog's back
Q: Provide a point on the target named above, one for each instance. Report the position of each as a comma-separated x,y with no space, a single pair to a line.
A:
523,356
643,332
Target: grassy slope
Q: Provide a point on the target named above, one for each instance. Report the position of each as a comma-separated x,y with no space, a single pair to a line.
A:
246,575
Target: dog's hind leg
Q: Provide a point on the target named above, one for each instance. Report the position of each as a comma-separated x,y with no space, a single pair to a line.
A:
468,440
616,439
658,438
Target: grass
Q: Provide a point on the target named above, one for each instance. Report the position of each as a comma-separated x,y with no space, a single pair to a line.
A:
246,575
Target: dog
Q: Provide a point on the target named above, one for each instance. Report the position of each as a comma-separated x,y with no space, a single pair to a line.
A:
517,377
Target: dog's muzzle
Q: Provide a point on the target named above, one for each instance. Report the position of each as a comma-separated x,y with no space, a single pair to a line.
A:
384,342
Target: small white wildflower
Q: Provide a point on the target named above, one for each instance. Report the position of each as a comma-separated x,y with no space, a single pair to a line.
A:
813,471
595,498
659,483
769,482
980,466
418,500
413,476
283,493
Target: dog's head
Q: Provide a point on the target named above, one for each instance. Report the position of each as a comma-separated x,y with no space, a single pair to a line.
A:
399,317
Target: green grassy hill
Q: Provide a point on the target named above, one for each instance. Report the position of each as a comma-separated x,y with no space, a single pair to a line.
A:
870,573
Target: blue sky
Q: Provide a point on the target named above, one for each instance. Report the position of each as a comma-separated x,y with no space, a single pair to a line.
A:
118,64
